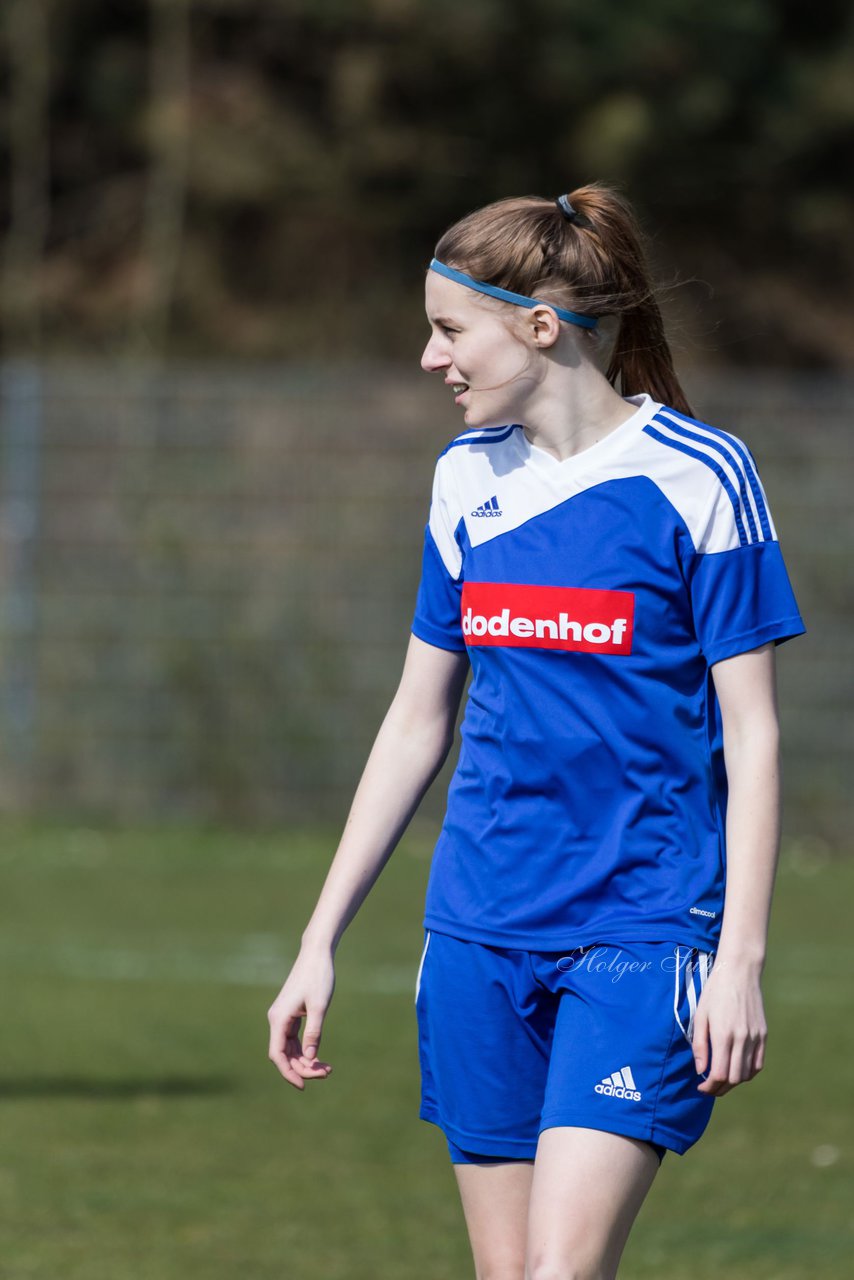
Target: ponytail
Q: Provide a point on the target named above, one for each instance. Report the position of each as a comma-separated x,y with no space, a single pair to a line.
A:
641,359
591,260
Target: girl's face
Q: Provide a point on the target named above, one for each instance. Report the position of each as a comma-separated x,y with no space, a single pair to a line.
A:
474,349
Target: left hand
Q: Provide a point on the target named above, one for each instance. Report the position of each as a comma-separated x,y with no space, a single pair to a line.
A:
729,1029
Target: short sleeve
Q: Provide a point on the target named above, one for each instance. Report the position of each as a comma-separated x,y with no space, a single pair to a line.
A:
741,595
437,606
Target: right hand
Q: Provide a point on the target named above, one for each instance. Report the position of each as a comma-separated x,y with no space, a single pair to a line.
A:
306,994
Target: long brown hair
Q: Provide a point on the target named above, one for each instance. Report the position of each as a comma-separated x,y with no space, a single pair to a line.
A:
596,265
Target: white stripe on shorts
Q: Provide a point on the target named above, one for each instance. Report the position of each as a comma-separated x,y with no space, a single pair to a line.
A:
702,970
421,966
692,997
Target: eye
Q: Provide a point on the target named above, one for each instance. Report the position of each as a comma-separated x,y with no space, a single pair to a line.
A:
447,329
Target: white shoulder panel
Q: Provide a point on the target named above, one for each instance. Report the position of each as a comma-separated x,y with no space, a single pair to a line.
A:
709,477
718,491
445,516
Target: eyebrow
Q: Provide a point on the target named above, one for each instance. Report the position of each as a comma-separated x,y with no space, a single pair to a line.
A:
442,320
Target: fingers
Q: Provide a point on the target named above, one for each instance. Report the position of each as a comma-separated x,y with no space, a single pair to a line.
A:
735,1059
284,1049
759,1056
311,1039
296,1062
700,1041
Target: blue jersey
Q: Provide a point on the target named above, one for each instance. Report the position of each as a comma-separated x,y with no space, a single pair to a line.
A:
593,595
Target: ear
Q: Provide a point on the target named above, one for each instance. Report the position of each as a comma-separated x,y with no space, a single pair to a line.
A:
544,326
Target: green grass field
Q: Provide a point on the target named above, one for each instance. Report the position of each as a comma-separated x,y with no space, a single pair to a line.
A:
145,1134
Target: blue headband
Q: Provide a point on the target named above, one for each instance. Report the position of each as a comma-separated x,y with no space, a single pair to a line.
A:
518,299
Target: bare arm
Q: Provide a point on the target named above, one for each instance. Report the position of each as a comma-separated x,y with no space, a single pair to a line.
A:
730,1013
410,748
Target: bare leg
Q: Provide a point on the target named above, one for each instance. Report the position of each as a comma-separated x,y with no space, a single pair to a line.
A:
587,1188
495,1203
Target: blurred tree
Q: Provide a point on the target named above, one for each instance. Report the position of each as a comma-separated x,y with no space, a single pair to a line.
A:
28,151
168,128
331,141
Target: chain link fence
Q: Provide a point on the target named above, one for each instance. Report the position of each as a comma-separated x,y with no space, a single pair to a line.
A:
208,576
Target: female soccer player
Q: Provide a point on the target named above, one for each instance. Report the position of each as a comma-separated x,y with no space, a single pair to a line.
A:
598,902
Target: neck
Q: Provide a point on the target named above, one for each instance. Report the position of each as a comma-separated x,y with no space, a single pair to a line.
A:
569,414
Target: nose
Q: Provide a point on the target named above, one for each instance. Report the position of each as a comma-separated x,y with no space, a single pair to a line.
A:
434,356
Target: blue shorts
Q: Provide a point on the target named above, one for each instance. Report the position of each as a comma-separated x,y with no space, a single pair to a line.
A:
513,1042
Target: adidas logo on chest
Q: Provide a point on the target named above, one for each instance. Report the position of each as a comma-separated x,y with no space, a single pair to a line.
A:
488,508
621,1084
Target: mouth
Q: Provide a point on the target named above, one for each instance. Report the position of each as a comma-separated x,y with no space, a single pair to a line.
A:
459,389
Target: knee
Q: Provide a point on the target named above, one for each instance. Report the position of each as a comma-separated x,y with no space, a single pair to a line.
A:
548,1267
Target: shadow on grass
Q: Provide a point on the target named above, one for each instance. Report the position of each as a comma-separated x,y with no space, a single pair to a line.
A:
90,1087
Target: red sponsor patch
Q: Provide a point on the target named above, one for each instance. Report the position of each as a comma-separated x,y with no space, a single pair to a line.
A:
528,617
